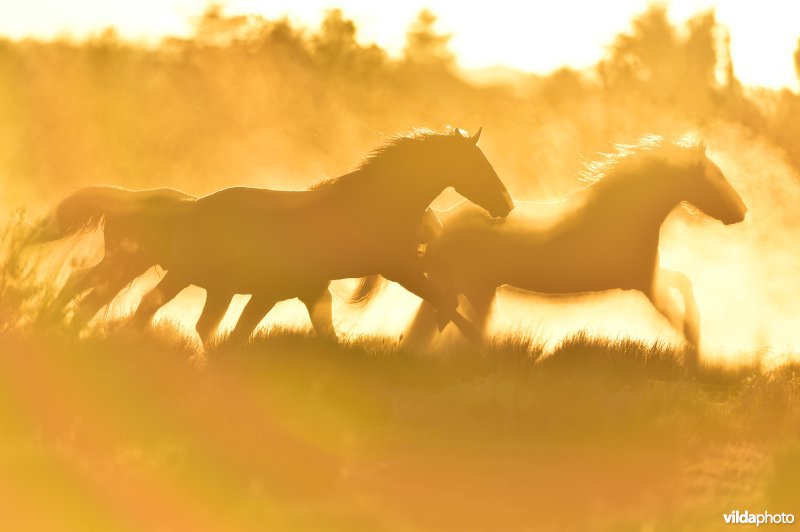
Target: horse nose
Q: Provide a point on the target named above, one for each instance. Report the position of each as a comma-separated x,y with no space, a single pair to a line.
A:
502,212
508,203
738,217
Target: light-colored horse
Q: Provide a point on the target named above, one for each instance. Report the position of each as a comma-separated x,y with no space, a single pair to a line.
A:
278,245
602,237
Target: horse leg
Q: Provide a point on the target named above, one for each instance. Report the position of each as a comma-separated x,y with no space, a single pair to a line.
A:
416,283
104,292
258,306
688,322
163,293
691,314
481,300
78,281
320,312
108,283
426,322
214,309
440,272
92,278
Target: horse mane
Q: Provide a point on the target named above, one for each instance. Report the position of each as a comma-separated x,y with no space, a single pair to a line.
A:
649,151
397,147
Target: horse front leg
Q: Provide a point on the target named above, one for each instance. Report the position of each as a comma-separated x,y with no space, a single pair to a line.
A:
686,322
480,299
423,328
166,290
414,281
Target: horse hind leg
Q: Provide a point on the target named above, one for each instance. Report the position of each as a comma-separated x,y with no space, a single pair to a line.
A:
163,293
78,282
102,295
96,278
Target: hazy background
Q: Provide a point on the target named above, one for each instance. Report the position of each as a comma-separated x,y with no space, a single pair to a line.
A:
135,430
201,100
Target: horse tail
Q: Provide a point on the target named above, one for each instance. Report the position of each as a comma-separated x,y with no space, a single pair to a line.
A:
81,211
367,288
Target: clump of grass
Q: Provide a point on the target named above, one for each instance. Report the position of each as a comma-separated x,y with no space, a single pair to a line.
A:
629,434
22,294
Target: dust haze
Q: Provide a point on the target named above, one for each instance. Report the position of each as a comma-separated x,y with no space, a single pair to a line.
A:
577,413
256,102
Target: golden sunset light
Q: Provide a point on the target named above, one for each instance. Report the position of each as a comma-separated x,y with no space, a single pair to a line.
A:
529,37
420,266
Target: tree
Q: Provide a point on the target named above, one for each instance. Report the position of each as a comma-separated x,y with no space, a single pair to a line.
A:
426,47
654,63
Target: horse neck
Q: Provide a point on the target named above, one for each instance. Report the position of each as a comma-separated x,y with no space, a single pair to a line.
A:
632,203
400,193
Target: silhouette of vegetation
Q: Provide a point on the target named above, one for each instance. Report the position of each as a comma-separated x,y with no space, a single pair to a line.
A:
294,432
247,100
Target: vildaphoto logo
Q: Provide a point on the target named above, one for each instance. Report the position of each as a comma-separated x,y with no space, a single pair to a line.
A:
765,518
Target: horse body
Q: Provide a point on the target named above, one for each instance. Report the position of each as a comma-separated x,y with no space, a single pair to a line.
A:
267,235
560,250
602,237
277,245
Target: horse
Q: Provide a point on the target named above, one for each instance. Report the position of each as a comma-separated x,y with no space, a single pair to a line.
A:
278,245
602,237
137,232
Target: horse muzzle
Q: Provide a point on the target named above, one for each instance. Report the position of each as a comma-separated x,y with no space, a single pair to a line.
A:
505,209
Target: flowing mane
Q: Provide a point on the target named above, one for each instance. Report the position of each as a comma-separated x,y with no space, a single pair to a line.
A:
398,150
400,146
651,151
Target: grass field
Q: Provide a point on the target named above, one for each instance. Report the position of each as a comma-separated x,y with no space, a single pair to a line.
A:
135,431
121,429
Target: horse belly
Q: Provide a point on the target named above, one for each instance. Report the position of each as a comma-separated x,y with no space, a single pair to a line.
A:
579,275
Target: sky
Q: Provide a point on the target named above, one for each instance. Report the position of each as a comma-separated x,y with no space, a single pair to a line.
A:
535,36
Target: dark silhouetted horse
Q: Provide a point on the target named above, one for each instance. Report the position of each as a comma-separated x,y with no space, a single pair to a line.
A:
278,245
137,235
602,237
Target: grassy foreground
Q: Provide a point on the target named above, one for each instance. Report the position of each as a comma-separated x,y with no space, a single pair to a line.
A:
132,431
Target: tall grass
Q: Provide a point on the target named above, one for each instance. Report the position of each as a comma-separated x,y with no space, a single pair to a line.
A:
124,429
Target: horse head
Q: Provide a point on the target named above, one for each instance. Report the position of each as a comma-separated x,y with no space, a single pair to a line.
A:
708,189
471,175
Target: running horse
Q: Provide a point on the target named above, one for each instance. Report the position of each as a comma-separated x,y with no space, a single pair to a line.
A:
278,245
137,230
137,235
602,237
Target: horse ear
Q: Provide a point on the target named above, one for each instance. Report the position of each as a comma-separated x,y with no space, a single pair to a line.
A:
455,131
477,136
